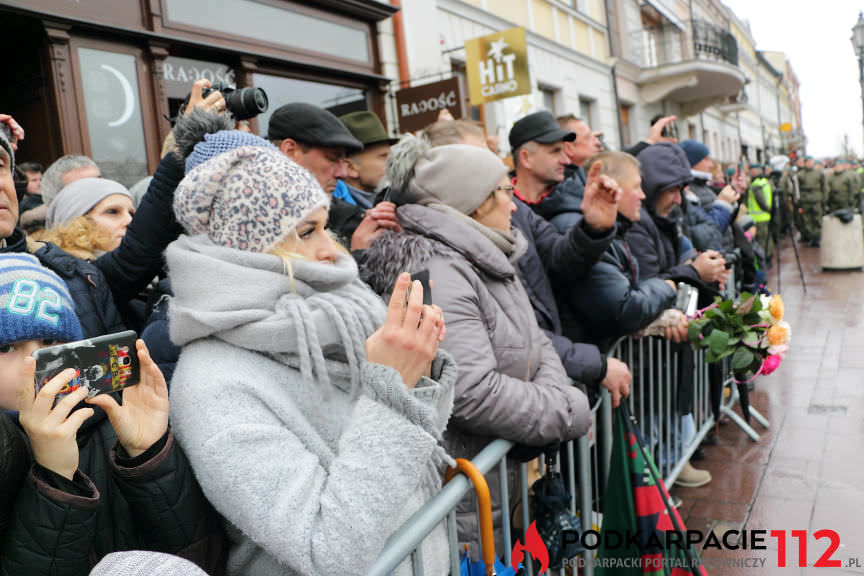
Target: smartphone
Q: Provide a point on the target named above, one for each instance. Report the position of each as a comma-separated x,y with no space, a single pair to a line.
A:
423,277
102,364
670,131
7,132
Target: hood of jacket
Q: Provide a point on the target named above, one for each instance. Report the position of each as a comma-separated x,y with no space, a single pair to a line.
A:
427,233
664,166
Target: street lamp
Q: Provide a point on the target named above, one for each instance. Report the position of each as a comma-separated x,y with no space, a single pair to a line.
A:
858,44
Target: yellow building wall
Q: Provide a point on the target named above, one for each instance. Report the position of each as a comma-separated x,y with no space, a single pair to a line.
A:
544,19
564,29
597,10
514,10
601,47
581,41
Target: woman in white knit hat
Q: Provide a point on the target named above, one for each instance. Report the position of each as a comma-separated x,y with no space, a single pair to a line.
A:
89,217
310,411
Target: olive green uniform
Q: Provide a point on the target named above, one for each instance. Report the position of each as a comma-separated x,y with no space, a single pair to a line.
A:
811,202
841,190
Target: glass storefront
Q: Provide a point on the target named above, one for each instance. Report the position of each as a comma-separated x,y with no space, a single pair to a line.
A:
337,99
113,108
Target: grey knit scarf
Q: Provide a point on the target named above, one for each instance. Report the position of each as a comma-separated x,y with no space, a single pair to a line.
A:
505,242
299,316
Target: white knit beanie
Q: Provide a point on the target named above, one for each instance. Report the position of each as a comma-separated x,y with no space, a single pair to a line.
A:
140,563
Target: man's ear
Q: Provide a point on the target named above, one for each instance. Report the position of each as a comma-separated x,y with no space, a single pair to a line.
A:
289,148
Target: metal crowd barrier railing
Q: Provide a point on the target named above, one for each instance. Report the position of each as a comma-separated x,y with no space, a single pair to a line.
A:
656,365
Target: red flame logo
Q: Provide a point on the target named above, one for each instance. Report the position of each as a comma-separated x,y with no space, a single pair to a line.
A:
534,546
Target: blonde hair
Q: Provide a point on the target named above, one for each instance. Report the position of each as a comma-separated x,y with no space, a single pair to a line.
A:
616,165
80,237
288,256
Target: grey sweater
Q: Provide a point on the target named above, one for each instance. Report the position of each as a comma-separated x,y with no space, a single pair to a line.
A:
312,471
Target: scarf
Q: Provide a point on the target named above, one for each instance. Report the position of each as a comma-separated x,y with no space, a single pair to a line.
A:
298,313
504,241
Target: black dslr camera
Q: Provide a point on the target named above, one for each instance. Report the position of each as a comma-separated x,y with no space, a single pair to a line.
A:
243,103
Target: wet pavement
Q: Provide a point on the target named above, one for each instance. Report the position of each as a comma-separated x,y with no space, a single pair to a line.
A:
807,470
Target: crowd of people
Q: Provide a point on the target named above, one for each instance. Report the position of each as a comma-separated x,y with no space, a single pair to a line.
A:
298,400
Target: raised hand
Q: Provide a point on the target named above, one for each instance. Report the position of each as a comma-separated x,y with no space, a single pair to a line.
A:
377,219
656,133
600,202
143,418
213,102
14,128
52,430
409,338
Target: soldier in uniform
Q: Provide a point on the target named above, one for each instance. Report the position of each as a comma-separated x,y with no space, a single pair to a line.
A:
841,186
759,199
812,192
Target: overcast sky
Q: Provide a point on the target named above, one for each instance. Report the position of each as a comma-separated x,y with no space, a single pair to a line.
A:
815,37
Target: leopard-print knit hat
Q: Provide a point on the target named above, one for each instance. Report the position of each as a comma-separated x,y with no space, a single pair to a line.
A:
249,198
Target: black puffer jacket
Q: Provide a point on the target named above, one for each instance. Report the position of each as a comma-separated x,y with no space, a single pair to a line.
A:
655,241
563,206
612,299
13,467
567,258
153,502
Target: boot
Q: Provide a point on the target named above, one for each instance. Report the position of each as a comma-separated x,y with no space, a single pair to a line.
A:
691,477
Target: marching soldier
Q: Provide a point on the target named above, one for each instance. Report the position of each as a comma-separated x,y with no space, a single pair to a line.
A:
812,195
841,186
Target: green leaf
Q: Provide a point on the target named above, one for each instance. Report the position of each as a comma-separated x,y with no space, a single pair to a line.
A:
726,306
750,338
742,359
733,341
718,340
710,357
727,353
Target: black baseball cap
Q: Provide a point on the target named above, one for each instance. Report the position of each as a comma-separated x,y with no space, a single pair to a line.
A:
538,127
311,125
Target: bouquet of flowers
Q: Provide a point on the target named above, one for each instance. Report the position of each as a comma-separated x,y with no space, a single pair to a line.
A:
751,332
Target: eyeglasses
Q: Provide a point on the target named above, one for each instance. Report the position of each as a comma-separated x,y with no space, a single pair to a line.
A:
508,189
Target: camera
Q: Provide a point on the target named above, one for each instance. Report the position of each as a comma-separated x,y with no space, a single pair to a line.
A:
242,103
731,258
686,299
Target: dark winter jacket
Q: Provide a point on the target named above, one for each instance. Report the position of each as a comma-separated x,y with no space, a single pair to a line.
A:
563,205
13,467
566,258
152,502
613,300
343,219
655,240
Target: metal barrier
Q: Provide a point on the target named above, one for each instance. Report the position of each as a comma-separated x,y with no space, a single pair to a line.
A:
657,376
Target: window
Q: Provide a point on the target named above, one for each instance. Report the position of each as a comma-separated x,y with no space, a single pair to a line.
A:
112,105
625,125
548,97
277,24
585,108
337,99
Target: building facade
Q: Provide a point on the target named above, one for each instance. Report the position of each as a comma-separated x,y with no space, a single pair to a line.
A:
102,77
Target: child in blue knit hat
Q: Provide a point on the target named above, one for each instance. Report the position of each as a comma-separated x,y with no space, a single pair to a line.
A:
104,477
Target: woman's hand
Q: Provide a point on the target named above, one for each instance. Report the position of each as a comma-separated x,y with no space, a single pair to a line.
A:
678,332
52,430
409,338
143,418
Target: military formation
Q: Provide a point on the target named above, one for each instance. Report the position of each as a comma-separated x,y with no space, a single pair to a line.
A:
803,192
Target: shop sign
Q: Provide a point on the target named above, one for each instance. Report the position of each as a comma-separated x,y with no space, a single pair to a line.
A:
419,106
497,66
181,73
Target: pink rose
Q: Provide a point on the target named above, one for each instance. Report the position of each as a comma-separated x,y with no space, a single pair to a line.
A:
770,364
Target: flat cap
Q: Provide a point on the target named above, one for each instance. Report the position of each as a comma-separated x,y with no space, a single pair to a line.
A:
311,125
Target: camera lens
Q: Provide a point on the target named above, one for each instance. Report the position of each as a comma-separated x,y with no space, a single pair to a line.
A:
247,102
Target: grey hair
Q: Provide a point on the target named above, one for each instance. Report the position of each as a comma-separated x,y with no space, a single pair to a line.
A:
52,179
191,128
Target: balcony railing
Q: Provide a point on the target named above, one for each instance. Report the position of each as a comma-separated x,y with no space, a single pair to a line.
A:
668,44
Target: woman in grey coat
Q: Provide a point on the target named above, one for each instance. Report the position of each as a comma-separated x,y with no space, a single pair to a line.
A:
313,431
456,218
